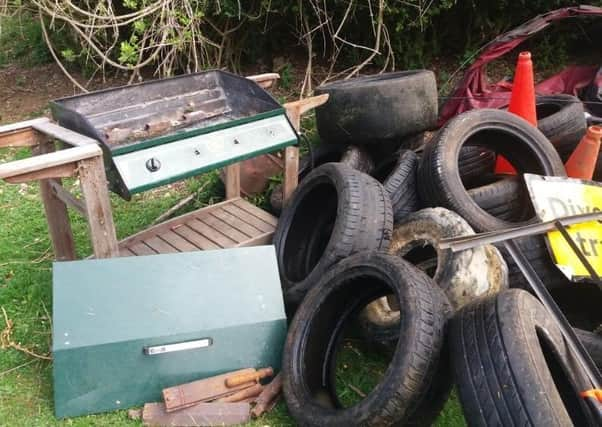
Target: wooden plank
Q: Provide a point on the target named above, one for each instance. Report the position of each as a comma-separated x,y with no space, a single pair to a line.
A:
232,181
26,124
189,394
268,397
263,239
170,224
255,211
57,217
236,222
295,109
160,245
224,228
178,242
195,238
68,198
243,395
125,252
45,161
59,225
202,414
61,171
291,172
62,134
265,80
248,218
141,249
212,234
93,183
20,138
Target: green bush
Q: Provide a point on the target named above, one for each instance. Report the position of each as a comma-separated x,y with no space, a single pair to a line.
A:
21,40
189,35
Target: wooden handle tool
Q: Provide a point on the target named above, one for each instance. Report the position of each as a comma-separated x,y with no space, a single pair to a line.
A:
236,380
268,397
240,396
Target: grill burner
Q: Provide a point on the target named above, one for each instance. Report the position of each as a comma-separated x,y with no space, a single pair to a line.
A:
162,131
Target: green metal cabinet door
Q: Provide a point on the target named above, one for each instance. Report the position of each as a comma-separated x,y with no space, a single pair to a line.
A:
126,328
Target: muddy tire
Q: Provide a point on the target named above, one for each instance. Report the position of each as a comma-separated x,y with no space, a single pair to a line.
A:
512,366
474,163
318,155
505,198
319,324
335,212
463,276
593,344
536,251
399,180
519,142
378,108
357,158
561,118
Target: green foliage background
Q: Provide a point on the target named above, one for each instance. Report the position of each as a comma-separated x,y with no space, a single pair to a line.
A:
417,31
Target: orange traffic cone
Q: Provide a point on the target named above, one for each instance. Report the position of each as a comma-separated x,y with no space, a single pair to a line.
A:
582,162
522,102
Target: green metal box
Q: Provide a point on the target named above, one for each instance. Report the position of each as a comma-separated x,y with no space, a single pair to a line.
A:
125,328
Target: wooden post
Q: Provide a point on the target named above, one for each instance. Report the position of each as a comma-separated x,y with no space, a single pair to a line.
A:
59,226
291,172
294,110
98,205
232,181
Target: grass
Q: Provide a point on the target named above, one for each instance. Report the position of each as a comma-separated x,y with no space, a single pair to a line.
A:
25,295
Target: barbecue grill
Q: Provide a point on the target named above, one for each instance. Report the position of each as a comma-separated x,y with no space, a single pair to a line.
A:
162,131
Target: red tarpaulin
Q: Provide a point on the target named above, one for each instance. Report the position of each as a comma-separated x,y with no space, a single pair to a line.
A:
474,91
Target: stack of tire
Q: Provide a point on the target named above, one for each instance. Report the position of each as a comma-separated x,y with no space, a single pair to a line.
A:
357,247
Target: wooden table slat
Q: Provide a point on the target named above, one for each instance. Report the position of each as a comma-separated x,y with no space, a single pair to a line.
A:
125,252
142,249
223,228
178,242
255,211
237,223
249,219
194,237
211,234
161,246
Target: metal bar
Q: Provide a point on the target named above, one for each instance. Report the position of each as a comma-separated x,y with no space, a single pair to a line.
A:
546,299
562,229
180,346
466,242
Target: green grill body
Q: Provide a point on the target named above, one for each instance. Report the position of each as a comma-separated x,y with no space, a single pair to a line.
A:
158,132
125,328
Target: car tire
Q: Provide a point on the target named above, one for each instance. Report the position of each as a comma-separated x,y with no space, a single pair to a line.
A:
593,344
505,198
335,212
318,327
561,118
377,108
318,155
512,365
475,163
519,142
398,176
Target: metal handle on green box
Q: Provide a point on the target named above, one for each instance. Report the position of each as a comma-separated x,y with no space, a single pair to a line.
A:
180,346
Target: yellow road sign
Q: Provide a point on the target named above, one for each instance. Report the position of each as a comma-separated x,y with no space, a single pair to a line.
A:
555,197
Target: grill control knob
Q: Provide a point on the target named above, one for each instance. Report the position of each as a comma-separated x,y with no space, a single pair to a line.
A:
153,164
